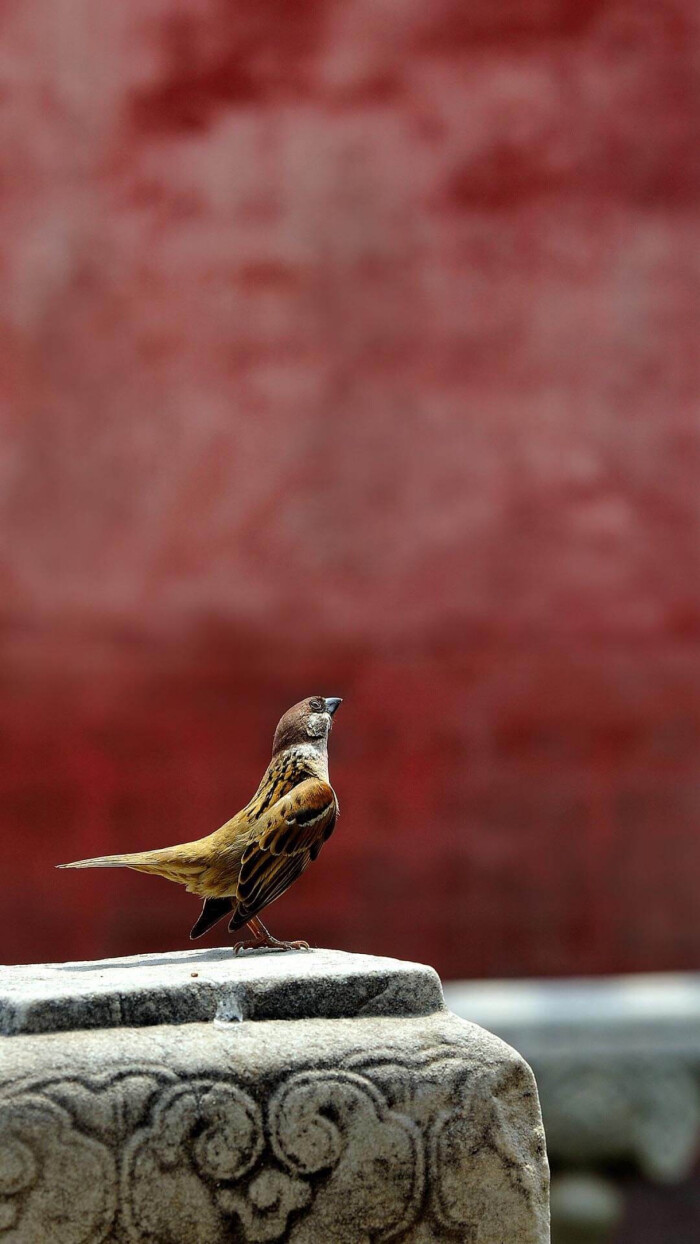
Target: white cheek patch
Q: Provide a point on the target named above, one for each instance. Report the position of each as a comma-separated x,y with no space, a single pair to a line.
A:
317,725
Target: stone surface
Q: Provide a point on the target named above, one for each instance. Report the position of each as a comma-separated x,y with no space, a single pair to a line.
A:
211,984
418,1128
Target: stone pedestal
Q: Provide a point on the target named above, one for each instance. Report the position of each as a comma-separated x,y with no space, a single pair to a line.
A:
317,1098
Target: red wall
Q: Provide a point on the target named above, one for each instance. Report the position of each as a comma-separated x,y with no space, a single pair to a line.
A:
353,348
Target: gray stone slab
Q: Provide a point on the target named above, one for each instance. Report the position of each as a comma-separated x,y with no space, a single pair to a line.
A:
189,987
379,1116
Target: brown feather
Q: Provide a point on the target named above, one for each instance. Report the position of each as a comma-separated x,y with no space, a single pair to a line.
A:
295,828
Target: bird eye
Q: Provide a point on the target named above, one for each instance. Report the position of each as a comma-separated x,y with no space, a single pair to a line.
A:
317,705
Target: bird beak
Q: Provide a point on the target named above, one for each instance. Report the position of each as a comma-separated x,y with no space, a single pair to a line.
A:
332,703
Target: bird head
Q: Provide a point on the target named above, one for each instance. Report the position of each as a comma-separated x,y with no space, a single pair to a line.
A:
309,722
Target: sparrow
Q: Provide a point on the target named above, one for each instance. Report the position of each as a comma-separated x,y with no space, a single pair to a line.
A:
251,860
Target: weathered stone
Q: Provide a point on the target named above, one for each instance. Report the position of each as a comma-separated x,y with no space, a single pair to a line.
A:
183,988
307,1098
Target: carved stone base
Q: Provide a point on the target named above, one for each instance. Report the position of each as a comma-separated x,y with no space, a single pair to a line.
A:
379,1116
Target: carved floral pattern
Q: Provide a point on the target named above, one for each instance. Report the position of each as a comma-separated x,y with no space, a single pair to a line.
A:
325,1154
330,1147
52,1176
487,1147
338,1121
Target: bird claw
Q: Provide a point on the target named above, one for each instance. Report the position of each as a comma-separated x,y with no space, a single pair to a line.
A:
269,943
249,944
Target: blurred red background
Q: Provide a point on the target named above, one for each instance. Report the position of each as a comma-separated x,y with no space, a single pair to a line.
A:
352,348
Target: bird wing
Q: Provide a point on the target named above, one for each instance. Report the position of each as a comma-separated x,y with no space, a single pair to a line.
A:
286,838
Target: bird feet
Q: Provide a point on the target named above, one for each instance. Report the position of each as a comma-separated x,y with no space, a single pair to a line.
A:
263,938
271,943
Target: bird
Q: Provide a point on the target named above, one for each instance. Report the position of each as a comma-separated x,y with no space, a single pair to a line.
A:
249,862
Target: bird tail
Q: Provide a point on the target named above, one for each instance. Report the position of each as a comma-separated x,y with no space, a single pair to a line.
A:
159,862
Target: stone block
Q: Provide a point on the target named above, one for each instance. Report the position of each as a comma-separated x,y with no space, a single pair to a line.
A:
316,1098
